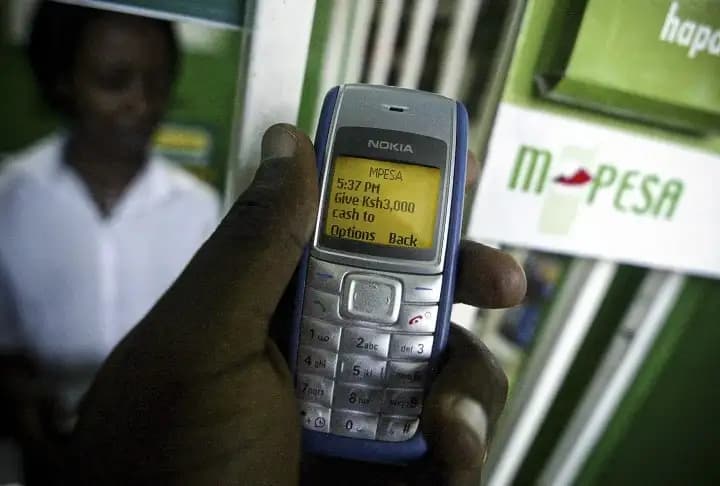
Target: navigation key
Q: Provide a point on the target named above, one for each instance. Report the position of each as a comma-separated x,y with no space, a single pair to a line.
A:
422,288
324,276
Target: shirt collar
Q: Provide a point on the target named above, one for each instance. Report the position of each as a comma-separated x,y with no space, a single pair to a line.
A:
148,189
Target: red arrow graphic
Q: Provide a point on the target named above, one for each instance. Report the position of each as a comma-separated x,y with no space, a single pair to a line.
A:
580,177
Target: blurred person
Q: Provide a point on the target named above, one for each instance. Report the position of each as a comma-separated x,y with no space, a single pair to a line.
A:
93,227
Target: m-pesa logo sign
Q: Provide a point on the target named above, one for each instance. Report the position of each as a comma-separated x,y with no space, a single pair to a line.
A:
630,191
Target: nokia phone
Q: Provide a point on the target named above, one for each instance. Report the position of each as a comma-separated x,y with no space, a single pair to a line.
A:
375,290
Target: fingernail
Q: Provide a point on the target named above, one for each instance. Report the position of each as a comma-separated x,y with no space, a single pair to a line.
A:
473,415
278,142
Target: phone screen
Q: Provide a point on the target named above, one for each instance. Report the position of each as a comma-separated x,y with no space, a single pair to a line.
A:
379,202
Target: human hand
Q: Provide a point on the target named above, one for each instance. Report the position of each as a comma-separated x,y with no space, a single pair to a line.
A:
198,394
29,409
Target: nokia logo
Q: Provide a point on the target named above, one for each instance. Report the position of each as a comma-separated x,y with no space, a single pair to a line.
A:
394,146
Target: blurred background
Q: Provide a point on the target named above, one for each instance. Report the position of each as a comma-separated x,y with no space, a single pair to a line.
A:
196,129
612,360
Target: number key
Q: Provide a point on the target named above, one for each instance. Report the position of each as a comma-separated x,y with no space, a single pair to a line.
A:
361,369
320,334
402,402
365,341
358,397
407,374
316,361
313,388
404,346
353,424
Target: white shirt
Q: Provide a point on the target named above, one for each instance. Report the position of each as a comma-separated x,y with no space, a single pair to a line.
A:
73,283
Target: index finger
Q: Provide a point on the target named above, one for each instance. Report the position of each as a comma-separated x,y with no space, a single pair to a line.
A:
488,277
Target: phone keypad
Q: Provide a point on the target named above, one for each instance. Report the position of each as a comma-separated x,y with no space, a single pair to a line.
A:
365,342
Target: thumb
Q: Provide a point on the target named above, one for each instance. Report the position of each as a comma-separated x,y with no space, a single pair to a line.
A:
228,292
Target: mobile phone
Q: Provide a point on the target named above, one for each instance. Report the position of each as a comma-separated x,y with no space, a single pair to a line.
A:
375,286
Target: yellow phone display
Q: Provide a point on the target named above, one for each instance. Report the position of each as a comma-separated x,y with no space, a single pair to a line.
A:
383,203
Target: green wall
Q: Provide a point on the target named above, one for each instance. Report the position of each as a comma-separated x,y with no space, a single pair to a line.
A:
618,297
667,427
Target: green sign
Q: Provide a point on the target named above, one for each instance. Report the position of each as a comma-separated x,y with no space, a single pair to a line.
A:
653,60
